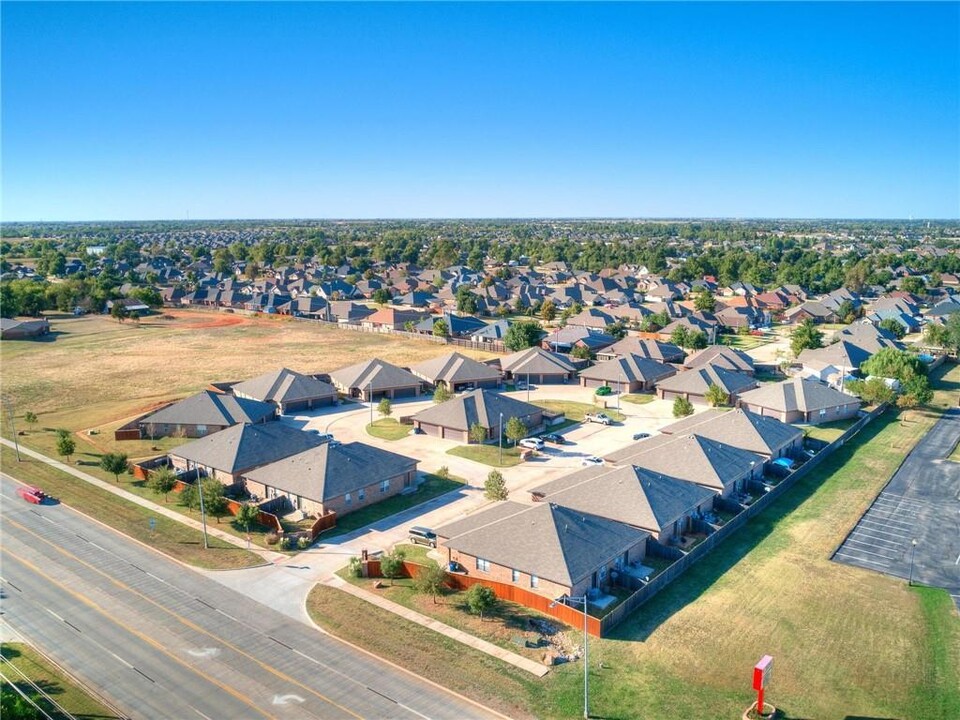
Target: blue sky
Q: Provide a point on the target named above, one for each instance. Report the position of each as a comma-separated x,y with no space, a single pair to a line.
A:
156,111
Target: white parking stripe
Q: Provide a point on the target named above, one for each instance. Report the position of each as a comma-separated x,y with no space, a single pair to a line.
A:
856,559
901,536
869,552
886,543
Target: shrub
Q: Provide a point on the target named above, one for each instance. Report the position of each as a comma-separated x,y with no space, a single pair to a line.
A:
303,542
356,566
272,538
443,472
285,542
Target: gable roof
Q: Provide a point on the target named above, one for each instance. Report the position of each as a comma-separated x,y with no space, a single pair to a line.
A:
653,349
721,356
243,446
797,394
740,428
537,361
628,368
377,373
210,408
325,472
843,354
552,542
699,380
454,368
477,406
283,386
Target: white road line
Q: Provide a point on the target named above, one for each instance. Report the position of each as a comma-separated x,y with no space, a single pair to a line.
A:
55,615
862,560
957,561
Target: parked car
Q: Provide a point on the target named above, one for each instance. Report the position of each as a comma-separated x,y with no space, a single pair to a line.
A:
592,460
532,443
32,495
597,418
603,390
553,439
641,436
420,535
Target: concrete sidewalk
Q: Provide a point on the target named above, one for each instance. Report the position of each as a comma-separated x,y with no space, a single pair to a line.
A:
267,555
496,651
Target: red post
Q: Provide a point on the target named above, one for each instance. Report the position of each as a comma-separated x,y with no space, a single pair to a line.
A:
760,701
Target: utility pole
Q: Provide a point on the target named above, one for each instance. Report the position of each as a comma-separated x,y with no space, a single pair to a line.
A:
203,515
500,439
913,552
13,427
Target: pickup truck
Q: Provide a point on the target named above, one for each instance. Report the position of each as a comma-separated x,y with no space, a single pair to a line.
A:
597,418
32,495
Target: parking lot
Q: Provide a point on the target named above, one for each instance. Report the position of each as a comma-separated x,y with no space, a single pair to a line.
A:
921,502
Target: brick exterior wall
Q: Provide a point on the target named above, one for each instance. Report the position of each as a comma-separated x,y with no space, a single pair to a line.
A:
159,430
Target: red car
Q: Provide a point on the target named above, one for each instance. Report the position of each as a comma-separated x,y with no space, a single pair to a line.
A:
32,495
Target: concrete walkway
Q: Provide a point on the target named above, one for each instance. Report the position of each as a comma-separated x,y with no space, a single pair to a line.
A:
267,555
531,666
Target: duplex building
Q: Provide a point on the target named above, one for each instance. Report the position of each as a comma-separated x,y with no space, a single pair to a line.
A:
288,390
205,413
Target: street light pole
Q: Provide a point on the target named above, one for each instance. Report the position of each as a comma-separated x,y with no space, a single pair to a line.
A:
500,438
370,393
586,665
203,515
528,387
619,386
13,428
913,552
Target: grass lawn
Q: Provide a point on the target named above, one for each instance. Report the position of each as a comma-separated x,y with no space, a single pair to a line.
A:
488,454
388,429
848,642
71,697
576,410
828,432
171,537
638,398
429,489
744,342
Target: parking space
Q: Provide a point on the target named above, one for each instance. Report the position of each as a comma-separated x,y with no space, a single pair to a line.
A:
921,502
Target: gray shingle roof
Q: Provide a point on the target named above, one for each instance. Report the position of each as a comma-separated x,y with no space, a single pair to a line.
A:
210,408
647,500
740,428
842,354
381,374
478,406
243,447
326,472
284,386
628,369
698,381
653,349
721,356
536,361
797,394
455,368
549,541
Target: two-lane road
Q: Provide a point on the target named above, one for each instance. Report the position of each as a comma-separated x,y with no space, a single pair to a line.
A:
159,640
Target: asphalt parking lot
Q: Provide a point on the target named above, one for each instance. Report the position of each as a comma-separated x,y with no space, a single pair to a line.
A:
921,502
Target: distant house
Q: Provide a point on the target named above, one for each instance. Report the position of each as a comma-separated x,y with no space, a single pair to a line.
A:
392,318
457,372
658,350
131,304
376,377
740,428
453,419
569,337
536,365
12,329
800,400
630,373
494,332
347,311
545,548
457,325
721,356
341,478
694,384
205,413
592,317
812,310
288,390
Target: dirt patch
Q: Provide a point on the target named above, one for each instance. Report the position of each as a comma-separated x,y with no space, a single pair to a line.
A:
196,320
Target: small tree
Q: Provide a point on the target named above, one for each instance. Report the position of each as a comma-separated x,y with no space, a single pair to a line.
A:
430,580
381,296
716,396
246,516
616,330
893,327
441,394
30,418
805,336
65,444
495,487
581,352
521,335
704,301
480,599
682,407
680,336
516,430
443,472
478,433
114,463
440,328
391,564
548,311
385,407
697,340
118,311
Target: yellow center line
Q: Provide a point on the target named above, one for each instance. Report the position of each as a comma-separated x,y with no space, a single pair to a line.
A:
150,641
189,623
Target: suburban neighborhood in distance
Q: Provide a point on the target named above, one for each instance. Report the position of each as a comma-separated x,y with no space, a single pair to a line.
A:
455,361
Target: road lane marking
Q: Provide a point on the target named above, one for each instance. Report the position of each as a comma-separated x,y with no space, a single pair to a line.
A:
189,623
150,641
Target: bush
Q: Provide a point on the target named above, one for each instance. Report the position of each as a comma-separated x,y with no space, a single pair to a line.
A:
285,542
356,566
443,472
682,407
272,538
303,542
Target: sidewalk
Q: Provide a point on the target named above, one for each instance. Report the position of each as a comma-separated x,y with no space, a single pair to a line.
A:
267,555
496,651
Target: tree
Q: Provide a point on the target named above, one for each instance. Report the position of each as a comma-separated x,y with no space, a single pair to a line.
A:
114,463
805,336
616,330
873,391
516,430
30,418
548,311
214,500
894,363
162,481
521,335
717,396
385,408
846,312
704,301
466,300
478,433
247,515
893,327
680,336
13,706
581,352
697,340
381,296
913,284
440,328
118,311
430,580
441,394
65,444
682,407
495,487
391,564
481,599
935,335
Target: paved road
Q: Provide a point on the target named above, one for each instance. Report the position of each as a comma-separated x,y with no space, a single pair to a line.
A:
160,640
922,502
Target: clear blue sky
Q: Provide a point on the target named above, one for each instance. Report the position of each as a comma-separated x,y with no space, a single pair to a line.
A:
150,111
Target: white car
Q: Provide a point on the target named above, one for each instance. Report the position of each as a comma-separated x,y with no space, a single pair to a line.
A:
532,443
592,460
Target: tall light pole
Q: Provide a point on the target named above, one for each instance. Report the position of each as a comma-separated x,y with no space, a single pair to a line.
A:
13,428
500,438
528,387
913,552
619,385
586,666
203,515
370,393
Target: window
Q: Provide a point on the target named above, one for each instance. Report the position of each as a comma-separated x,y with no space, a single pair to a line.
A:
361,494
483,565
823,412
384,486
201,429
516,575
534,581
603,573
347,499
